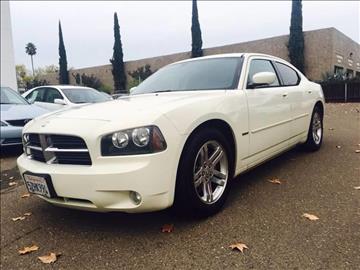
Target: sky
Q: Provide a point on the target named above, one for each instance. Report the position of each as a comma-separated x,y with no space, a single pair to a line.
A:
152,28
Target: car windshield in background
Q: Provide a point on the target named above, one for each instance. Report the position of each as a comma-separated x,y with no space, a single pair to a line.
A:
84,95
204,74
9,96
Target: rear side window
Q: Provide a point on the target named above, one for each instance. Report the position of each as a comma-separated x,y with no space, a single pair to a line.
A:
261,65
288,75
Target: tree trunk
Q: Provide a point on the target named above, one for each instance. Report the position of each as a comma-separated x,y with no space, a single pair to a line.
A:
32,65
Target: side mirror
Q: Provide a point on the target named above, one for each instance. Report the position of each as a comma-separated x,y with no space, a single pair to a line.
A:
262,79
59,101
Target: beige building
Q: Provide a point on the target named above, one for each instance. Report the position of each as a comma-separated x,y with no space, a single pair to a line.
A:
326,51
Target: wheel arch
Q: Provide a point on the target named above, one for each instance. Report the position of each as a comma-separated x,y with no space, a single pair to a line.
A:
218,124
320,105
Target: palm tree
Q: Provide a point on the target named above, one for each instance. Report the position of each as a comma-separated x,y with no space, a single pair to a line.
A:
30,49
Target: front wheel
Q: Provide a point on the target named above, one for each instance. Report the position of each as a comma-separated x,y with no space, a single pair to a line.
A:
315,133
204,174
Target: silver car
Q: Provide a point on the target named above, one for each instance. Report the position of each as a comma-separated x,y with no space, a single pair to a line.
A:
15,113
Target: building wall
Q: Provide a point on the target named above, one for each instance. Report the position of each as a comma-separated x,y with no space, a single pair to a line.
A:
346,53
8,72
320,48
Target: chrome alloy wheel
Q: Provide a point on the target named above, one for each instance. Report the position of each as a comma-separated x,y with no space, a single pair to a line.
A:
317,128
211,172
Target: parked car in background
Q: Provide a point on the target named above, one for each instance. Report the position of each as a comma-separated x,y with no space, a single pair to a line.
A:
16,112
55,97
178,139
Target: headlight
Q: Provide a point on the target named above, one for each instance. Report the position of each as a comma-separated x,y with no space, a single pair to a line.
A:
120,139
141,136
3,124
141,140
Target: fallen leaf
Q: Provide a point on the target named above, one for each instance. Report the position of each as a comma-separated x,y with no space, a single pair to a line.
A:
18,218
338,146
310,216
357,151
27,214
275,181
26,195
357,188
12,184
51,258
238,246
167,228
11,178
27,250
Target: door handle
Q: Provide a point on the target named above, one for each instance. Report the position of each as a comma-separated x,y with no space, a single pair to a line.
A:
284,95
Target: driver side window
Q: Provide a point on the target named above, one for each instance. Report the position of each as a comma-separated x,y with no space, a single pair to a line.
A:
261,65
52,94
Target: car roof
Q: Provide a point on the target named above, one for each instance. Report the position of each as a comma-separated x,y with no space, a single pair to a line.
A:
62,86
214,56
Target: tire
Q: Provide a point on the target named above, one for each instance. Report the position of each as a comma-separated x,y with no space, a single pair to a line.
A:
316,130
207,195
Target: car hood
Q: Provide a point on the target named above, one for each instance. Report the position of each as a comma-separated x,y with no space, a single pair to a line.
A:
20,111
146,106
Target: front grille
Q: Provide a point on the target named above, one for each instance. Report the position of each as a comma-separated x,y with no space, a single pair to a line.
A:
18,123
57,149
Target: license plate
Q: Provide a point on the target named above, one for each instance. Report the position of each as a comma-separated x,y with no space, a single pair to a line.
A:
37,185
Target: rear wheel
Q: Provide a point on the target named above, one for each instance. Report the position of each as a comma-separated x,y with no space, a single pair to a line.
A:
315,133
204,174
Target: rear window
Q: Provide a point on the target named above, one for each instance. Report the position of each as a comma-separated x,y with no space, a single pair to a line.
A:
288,75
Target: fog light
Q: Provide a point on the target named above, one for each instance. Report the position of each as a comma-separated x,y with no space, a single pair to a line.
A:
135,197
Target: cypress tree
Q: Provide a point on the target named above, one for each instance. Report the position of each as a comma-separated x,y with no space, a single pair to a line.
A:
196,46
296,38
118,68
63,72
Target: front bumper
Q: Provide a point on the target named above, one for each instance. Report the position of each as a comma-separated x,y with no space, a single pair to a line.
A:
10,135
105,186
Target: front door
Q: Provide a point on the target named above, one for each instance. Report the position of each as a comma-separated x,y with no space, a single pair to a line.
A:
269,111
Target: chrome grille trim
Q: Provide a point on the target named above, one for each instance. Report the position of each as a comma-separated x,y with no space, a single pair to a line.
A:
57,149
54,149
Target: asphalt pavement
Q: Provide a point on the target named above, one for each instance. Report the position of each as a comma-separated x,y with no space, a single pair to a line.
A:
267,217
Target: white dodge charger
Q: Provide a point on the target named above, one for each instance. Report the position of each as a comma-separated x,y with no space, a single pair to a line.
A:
179,139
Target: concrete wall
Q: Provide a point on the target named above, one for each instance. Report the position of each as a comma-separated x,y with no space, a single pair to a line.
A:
8,72
346,52
320,47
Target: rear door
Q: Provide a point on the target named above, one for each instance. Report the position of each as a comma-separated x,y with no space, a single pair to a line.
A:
297,98
269,111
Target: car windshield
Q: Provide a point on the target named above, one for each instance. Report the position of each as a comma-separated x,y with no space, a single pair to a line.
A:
84,95
9,96
202,74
